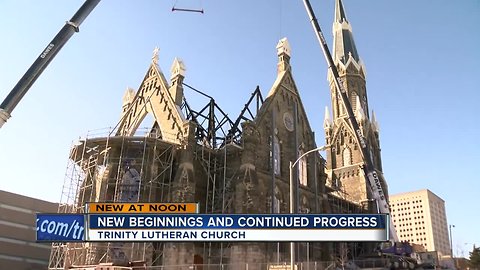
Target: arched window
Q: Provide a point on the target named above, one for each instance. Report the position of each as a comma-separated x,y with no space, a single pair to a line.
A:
347,156
276,156
302,170
129,186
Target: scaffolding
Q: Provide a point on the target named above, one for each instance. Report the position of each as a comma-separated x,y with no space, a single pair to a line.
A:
106,168
338,202
219,141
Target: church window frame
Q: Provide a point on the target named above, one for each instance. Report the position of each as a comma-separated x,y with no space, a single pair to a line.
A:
347,156
276,156
302,169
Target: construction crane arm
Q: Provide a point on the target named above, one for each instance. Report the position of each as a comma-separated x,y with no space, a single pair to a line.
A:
368,168
42,61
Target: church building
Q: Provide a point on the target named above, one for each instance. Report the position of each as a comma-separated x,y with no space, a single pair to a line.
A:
227,165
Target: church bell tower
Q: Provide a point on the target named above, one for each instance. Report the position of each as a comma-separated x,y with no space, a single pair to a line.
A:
344,159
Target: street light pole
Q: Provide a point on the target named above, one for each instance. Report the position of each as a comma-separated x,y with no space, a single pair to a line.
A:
292,208
451,239
292,200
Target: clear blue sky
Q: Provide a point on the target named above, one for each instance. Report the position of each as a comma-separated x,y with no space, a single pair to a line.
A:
423,78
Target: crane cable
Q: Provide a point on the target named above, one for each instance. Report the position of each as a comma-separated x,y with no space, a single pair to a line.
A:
280,19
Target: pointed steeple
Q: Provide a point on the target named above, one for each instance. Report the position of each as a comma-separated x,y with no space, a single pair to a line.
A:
283,52
340,12
375,125
327,121
344,155
155,55
127,99
343,43
359,111
176,80
128,96
178,69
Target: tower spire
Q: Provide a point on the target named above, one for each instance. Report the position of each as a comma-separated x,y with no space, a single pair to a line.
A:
343,154
327,121
359,111
375,124
155,56
176,80
339,12
343,43
283,52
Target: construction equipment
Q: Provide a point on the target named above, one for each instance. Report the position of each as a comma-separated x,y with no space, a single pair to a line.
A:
401,252
42,61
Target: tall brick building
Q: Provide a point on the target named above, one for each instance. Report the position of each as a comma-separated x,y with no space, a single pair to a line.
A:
420,218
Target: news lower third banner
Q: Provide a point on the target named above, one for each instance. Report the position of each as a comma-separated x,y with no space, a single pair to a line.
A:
236,227
112,227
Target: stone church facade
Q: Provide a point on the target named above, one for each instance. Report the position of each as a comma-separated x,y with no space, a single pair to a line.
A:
226,166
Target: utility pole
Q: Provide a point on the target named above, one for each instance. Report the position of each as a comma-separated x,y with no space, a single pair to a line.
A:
451,239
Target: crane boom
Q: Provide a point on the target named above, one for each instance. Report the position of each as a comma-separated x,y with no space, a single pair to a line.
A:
368,168
42,61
